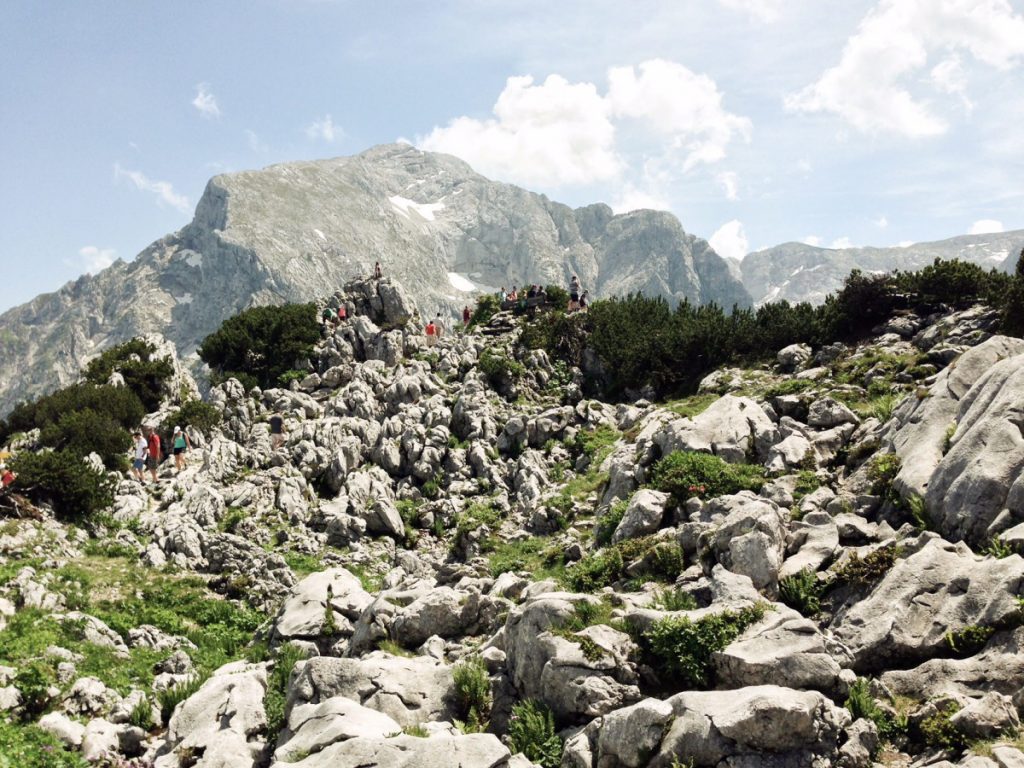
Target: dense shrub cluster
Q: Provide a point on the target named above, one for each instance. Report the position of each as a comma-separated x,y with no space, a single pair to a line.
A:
192,413
259,345
643,343
681,648
685,474
531,730
63,479
143,373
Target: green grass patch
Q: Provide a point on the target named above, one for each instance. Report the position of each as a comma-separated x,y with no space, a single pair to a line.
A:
691,406
28,746
537,555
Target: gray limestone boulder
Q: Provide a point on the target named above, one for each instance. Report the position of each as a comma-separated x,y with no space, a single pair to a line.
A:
998,667
313,727
303,614
977,489
748,726
223,721
731,428
827,412
793,357
478,750
782,649
749,537
409,690
922,425
554,669
442,611
643,515
989,716
940,589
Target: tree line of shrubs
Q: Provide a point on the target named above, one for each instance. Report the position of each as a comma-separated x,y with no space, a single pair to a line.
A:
94,416
644,344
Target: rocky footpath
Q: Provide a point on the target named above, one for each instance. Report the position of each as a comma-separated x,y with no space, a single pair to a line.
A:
457,560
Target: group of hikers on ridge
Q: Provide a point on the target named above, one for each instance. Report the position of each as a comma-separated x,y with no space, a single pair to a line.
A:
435,328
148,452
522,298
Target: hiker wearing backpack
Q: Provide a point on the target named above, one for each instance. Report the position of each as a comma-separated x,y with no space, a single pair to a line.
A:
155,452
431,331
180,445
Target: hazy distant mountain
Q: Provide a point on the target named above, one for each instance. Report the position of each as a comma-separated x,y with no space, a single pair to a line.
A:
799,272
296,231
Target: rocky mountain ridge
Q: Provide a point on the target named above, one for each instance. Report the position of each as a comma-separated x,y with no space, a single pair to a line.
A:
434,519
295,231
798,272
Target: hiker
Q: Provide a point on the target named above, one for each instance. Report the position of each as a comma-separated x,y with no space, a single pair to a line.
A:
583,301
503,295
180,444
513,295
7,478
155,452
574,294
342,314
327,316
439,326
276,431
431,331
141,451
532,293
376,270
466,316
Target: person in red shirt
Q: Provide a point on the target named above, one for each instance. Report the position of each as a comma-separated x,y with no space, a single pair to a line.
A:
342,314
466,315
7,478
155,452
431,331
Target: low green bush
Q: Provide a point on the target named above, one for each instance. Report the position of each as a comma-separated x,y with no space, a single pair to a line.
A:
660,560
487,306
28,746
285,659
144,374
72,487
868,570
531,730
169,698
802,591
861,704
608,522
500,369
684,474
472,693
681,649
938,732
259,345
193,413
882,471
674,600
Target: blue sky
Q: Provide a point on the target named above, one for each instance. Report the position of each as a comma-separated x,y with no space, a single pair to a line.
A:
866,122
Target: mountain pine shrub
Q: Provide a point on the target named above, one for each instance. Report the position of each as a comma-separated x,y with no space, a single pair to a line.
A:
685,474
144,374
259,345
531,730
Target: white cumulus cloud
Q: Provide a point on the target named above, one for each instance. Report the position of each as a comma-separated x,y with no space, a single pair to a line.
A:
680,104
163,190
557,133
554,133
730,241
764,10
842,242
325,129
730,183
95,259
876,85
205,101
813,240
986,227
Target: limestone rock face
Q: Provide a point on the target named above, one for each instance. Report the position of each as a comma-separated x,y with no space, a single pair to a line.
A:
977,489
298,231
410,691
940,589
223,721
